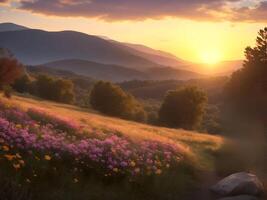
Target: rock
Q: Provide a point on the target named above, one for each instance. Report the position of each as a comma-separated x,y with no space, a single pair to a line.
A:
241,197
241,183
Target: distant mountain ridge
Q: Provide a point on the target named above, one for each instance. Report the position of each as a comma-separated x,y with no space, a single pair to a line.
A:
96,70
105,59
160,57
37,47
11,27
118,73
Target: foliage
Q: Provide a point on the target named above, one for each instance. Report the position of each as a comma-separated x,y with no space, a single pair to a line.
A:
156,90
7,91
23,84
60,90
112,100
211,122
247,89
183,108
10,70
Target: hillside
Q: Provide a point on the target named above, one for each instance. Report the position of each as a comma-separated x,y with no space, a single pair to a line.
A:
157,56
96,70
38,47
196,143
65,152
118,73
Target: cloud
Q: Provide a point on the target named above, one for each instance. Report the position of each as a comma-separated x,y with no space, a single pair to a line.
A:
112,10
254,14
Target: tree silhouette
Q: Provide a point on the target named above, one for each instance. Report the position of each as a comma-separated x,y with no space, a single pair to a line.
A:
247,88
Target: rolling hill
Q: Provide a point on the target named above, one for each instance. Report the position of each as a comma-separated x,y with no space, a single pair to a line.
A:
79,153
194,142
117,73
38,47
96,70
157,56
35,47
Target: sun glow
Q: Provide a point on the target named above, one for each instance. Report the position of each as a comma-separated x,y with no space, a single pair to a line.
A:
211,57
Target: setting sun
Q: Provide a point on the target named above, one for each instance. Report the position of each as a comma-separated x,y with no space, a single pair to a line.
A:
211,57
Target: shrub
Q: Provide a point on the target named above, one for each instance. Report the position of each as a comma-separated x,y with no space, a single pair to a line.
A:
60,90
112,100
183,108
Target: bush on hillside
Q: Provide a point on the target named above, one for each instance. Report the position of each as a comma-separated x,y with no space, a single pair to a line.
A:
22,84
183,108
112,100
10,70
60,90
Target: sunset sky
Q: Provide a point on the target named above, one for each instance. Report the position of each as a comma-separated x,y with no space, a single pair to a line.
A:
194,30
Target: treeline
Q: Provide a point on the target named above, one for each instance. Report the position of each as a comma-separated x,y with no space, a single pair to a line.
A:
112,100
47,87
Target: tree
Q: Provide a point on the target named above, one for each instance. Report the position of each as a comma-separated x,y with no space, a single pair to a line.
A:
44,85
112,100
247,89
22,84
60,90
183,108
63,91
10,70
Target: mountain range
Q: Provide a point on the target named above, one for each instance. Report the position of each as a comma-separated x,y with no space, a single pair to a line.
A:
93,56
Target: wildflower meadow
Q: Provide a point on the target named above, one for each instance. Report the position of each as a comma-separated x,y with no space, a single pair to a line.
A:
35,145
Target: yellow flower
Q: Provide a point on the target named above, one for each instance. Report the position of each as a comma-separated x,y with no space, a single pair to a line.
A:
5,148
115,169
9,157
47,157
18,126
132,164
16,166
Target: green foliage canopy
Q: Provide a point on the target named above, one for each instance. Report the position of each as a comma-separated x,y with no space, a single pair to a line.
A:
183,108
110,99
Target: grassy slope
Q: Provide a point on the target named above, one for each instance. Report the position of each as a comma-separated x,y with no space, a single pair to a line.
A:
200,145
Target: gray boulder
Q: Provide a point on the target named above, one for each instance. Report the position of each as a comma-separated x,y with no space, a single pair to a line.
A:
241,197
241,183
